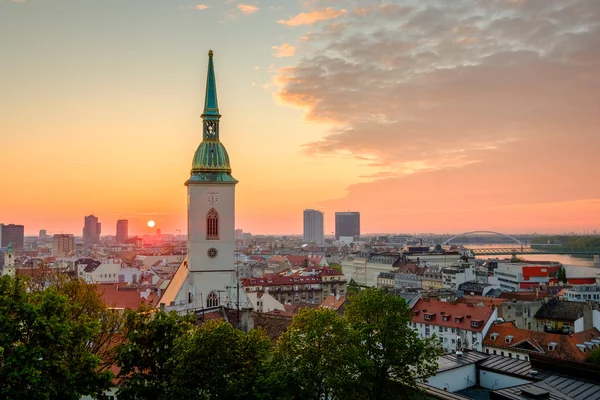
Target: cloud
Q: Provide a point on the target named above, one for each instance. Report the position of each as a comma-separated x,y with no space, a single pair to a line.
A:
247,9
285,50
466,94
202,7
313,16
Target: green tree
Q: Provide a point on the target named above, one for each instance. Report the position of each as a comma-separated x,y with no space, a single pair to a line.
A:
392,355
218,361
562,275
146,357
44,352
352,288
315,358
594,357
336,266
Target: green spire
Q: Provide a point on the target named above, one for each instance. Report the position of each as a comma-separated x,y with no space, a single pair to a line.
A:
211,161
211,107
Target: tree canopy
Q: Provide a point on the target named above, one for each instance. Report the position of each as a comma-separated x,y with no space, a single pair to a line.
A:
46,345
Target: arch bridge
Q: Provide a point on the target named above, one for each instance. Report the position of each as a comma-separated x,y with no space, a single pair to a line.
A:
517,241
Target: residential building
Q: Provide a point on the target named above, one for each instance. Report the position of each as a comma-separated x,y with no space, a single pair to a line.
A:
63,245
563,316
13,234
432,278
91,231
583,293
313,227
347,224
122,231
454,276
335,302
386,280
452,322
507,340
263,302
522,313
365,267
409,275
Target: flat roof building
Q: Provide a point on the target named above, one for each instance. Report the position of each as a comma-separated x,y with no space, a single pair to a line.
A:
347,224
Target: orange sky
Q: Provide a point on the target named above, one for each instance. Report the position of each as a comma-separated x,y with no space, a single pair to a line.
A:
472,115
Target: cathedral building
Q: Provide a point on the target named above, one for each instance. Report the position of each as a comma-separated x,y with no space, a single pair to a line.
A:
207,277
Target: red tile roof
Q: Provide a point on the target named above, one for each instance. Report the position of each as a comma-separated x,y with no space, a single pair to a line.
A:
117,296
565,346
333,302
275,280
458,316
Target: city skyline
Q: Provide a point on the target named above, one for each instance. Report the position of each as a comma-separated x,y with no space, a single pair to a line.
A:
489,124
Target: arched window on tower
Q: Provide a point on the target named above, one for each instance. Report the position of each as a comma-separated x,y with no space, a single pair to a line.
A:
212,300
212,225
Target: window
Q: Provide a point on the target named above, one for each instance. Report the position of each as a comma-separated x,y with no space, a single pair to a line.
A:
212,225
212,300
487,351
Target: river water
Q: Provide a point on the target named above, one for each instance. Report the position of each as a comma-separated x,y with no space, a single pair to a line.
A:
566,260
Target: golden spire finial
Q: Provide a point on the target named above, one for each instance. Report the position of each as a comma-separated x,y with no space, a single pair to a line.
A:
210,53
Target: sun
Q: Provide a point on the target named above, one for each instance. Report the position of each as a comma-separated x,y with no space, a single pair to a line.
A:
151,224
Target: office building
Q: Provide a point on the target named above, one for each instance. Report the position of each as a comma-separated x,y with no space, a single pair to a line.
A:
63,245
91,231
122,230
43,234
313,227
13,234
347,224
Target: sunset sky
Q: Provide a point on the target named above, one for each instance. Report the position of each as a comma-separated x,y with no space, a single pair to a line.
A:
424,115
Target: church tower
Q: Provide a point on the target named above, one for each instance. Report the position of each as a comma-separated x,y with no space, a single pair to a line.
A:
9,261
211,211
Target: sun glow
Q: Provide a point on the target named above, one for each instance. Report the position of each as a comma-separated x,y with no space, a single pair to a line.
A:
151,224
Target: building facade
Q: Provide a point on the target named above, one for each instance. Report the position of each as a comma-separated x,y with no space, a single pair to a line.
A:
347,224
313,227
63,245
91,231
122,231
13,234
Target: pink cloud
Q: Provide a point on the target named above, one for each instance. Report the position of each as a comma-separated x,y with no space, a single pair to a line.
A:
202,7
284,50
247,8
313,16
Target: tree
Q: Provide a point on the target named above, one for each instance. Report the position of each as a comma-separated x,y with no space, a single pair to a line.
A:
336,266
352,288
594,357
393,357
218,361
562,275
146,357
44,351
315,358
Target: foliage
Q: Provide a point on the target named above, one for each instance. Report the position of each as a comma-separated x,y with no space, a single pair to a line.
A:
315,358
594,356
146,358
562,275
392,353
569,243
352,288
336,266
45,340
218,361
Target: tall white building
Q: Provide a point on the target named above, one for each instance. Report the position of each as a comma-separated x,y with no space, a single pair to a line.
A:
207,278
313,227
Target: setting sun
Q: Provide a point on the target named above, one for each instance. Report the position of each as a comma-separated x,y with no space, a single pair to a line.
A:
151,224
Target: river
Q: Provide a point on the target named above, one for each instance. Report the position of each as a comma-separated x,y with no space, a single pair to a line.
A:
566,260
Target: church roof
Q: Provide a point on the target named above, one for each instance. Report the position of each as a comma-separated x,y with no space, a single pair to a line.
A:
211,161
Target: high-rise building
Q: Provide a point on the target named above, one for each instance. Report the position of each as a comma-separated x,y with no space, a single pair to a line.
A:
347,224
43,234
313,227
13,234
63,245
91,231
122,230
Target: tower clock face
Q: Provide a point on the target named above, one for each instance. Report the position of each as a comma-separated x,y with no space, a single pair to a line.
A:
212,198
212,252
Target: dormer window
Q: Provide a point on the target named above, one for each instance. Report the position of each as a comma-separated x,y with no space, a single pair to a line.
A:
458,319
493,336
446,317
474,324
581,347
509,338
551,346
429,316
